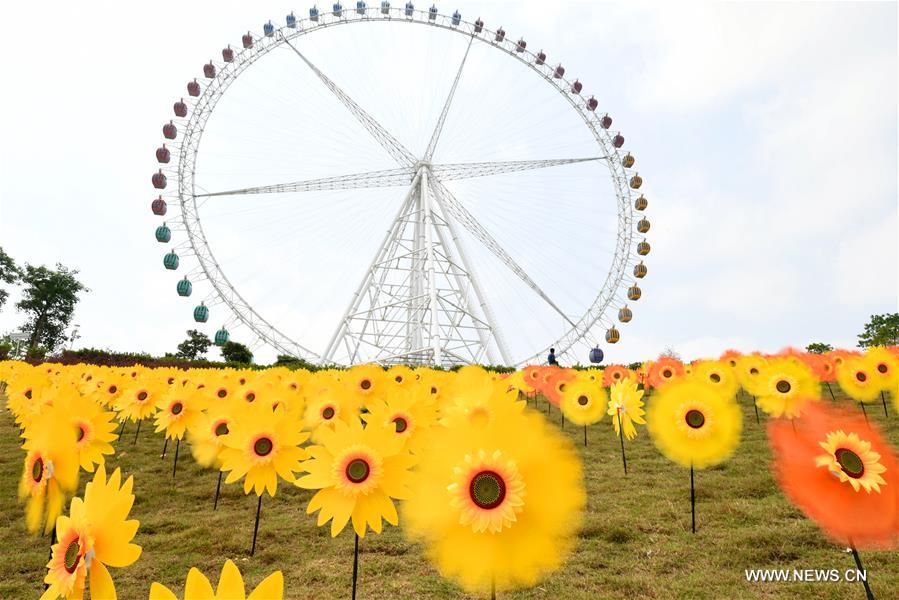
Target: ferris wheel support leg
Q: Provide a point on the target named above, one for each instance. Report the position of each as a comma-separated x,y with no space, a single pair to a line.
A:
432,284
357,296
476,286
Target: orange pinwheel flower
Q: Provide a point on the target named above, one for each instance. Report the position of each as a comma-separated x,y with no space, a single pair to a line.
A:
841,473
730,357
555,384
822,366
664,370
615,373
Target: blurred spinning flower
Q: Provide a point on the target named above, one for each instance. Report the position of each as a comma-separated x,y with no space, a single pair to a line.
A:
841,473
785,385
94,427
693,425
96,534
358,472
749,370
719,375
626,406
51,469
496,503
230,587
584,402
884,367
856,378
206,432
261,445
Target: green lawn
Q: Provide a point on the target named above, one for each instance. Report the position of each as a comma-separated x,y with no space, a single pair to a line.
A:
636,541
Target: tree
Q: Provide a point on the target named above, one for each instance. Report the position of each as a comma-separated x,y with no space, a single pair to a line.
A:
237,353
195,346
670,352
9,273
818,348
49,300
881,330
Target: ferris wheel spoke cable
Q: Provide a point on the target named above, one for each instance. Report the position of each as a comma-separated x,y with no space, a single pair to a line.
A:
432,145
390,143
455,209
402,177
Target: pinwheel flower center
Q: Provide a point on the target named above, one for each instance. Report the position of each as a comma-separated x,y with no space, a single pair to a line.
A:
695,418
487,490
860,375
783,386
72,556
882,368
583,400
113,389
365,384
263,446
171,380
401,424
80,433
221,393
242,381
328,413
753,371
357,470
850,462
177,407
433,390
141,396
28,393
37,470
715,378
398,379
250,397
221,429
667,373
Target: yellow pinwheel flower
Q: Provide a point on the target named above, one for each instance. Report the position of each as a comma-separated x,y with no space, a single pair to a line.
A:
230,587
138,399
179,409
410,411
785,385
626,406
358,472
497,503
97,534
884,367
367,382
584,401
692,424
261,445
856,377
718,374
851,460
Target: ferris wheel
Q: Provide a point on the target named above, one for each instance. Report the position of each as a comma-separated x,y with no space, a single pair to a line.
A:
438,194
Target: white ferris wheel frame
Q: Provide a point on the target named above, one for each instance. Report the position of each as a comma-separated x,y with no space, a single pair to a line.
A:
192,127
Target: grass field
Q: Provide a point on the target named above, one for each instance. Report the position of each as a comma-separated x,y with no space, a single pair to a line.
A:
635,543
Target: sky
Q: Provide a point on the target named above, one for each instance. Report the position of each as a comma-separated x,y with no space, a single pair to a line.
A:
766,134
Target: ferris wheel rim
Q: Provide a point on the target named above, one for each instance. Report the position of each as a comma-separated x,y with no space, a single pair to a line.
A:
226,73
